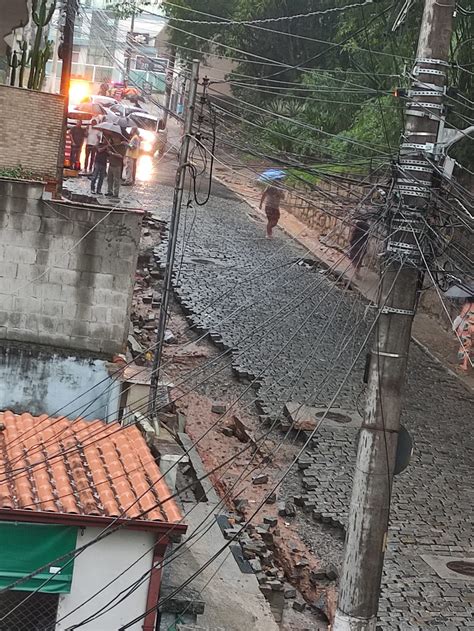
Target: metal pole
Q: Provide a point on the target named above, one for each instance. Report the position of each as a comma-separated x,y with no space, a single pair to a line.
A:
169,87
173,238
371,492
129,42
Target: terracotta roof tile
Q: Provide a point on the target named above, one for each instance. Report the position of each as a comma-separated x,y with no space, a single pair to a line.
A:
80,468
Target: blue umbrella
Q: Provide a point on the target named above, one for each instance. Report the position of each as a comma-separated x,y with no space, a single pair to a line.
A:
272,175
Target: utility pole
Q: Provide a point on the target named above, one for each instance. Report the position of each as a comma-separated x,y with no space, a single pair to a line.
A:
169,86
128,60
415,179
173,238
67,19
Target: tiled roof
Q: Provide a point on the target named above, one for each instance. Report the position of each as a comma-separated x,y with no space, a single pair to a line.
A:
80,468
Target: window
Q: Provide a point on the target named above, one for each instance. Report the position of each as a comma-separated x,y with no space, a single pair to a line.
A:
38,613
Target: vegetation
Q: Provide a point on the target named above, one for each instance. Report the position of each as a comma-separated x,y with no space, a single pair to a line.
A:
327,93
16,173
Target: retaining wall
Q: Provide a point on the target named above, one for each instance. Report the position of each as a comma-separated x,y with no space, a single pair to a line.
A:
66,270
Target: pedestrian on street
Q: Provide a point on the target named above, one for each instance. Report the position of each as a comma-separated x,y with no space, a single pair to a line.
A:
93,137
116,150
464,327
100,166
358,244
131,158
78,135
271,199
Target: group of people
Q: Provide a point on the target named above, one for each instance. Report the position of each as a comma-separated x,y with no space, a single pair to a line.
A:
106,154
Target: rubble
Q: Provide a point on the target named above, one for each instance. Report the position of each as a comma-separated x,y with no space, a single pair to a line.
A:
262,478
219,408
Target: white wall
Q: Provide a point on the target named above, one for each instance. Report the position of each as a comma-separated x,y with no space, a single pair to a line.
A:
47,382
98,565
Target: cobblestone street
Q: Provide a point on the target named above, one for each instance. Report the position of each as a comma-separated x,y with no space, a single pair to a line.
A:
300,332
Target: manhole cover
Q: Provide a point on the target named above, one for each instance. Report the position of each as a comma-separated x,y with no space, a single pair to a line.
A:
461,567
335,416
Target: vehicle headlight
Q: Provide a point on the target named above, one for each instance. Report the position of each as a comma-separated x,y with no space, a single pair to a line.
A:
146,135
147,146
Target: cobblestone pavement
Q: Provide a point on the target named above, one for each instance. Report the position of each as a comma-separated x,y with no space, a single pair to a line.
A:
299,332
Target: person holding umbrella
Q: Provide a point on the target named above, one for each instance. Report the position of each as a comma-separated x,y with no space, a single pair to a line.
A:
117,146
271,198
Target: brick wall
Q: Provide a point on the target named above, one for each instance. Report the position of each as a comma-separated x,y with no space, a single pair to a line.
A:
30,131
58,293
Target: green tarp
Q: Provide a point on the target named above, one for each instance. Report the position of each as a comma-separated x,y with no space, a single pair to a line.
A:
25,547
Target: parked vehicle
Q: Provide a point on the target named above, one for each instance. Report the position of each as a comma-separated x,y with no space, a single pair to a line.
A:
148,129
86,112
105,101
122,110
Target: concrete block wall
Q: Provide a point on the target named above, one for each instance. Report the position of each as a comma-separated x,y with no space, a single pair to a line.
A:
31,128
66,270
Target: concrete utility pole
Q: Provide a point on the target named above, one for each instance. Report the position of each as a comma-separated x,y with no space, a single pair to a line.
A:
173,237
371,493
169,86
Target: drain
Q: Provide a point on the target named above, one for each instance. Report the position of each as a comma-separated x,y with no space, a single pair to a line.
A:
466,568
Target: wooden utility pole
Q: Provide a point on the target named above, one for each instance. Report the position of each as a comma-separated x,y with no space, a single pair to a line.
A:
68,17
415,180
173,238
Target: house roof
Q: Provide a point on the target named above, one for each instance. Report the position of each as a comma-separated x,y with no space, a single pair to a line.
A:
82,469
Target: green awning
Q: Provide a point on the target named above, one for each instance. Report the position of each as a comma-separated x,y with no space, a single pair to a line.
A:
25,547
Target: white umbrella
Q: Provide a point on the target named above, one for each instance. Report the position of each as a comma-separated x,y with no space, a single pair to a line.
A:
112,128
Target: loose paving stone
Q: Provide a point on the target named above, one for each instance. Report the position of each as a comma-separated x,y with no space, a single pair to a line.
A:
260,479
219,408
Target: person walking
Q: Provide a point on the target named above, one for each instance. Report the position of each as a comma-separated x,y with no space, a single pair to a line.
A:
78,134
271,199
116,150
131,158
100,166
358,244
464,328
93,137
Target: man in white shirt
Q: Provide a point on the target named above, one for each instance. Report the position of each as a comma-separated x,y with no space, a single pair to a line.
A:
93,137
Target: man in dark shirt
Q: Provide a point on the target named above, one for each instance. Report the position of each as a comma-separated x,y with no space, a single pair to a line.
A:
116,151
100,166
78,135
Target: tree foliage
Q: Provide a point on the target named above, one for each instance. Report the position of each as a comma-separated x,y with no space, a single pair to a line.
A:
336,70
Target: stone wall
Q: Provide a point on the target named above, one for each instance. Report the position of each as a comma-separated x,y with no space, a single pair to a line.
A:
31,127
66,270
328,210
